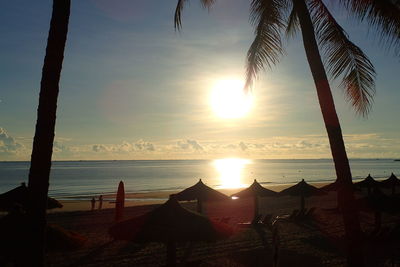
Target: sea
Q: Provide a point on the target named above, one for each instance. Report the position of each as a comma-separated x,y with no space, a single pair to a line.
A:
83,179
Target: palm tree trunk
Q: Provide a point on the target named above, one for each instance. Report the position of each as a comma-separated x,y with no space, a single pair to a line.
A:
345,193
44,134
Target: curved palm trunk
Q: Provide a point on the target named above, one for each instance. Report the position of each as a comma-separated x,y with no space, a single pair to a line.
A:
44,134
332,125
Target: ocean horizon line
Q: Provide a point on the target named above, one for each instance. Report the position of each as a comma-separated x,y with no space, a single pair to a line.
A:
113,160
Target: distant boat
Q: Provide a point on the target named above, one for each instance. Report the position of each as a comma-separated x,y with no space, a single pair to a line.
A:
397,160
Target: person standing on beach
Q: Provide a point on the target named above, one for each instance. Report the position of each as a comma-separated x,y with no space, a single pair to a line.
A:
93,203
100,202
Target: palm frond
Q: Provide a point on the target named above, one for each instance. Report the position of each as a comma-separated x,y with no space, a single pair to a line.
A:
179,7
292,24
178,14
344,58
207,3
381,15
267,17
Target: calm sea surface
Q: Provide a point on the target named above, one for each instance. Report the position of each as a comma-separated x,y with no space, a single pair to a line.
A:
76,179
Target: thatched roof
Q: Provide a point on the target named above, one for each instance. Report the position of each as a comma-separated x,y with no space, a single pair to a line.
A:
333,187
302,189
367,182
391,181
378,201
20,195
170,222
200,191
255,189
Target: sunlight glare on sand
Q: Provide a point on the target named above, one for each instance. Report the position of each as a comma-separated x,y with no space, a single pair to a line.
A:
230,171
229,100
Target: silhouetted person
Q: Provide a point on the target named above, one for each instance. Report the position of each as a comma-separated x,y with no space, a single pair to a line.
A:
100,202
93,201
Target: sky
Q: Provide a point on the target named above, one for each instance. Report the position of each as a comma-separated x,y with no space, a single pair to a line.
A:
134,88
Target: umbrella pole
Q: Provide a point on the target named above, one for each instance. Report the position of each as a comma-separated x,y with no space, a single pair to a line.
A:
199,206
302,203
378,220
255,207
171,253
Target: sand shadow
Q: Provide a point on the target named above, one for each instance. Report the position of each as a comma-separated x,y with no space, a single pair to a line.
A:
92,254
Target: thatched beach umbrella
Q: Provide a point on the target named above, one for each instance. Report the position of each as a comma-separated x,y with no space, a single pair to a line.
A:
303,190
15,229
334,187
170,223
200,192
20,195
378,202
368,183
255,190
120,202
391,182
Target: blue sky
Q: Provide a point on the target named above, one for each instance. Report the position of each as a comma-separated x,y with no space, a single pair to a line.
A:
133,88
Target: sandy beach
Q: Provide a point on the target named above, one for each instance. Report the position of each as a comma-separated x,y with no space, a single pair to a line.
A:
317,241
149,198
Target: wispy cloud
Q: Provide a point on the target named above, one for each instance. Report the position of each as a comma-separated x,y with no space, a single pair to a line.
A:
8,144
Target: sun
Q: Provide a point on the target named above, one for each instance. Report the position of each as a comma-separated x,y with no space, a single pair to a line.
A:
229,100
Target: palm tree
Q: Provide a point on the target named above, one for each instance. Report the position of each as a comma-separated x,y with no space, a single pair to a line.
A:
320,31
44,134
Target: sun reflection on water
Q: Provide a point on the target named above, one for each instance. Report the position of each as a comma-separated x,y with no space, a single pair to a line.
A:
230,171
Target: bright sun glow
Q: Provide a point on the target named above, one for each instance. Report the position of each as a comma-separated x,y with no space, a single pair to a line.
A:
230,171
228,99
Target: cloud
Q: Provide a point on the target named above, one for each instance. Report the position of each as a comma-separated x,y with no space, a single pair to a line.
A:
305,146
359,137
8,143
124,147
182,145
230,146
59,147
195,145
190,144
143,145
100,148
243,146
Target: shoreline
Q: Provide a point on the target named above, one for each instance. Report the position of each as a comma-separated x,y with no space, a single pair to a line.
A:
148,198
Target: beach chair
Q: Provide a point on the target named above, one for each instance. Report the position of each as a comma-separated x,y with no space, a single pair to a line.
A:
267,221
301,215
254,222
294,214
256,219
309,214
291,216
